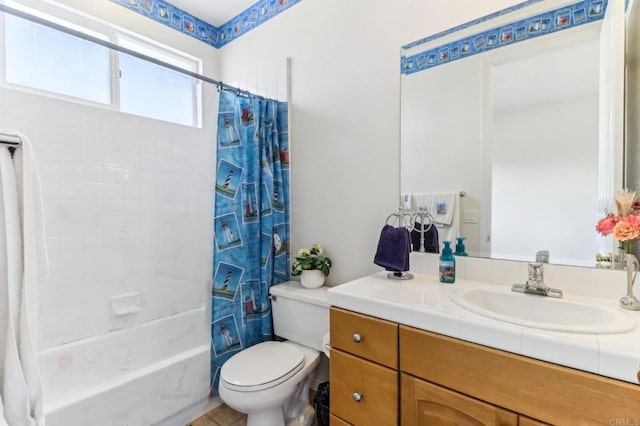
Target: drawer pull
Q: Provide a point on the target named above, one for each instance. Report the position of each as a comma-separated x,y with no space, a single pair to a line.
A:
357,337
357,396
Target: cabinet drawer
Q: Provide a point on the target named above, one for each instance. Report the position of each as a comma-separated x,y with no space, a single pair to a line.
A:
337,421
362,393
367,337
540,390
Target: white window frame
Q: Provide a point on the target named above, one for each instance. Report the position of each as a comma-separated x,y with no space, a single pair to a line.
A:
92,26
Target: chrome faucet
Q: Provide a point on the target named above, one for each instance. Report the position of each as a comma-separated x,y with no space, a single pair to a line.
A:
542,256
535,283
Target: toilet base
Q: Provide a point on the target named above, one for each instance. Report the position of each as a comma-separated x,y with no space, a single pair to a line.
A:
274,416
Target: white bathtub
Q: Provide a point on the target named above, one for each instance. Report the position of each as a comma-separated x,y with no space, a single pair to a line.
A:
156,373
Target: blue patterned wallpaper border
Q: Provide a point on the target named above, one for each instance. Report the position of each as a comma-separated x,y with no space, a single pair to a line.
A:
470,23
569,16
176,18
253,16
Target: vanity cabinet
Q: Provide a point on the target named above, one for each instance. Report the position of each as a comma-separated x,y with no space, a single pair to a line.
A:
435,379
363,369
530,388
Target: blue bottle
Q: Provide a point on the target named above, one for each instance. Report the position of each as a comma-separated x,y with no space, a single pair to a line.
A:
447,265
460,249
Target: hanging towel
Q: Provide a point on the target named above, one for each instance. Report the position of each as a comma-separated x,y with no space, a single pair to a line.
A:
22,248
393,249
12,382
431,243
443,207
451,231
35,251
422,202
405,201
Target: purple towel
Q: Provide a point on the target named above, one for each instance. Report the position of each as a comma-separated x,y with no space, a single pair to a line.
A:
431,244
393,249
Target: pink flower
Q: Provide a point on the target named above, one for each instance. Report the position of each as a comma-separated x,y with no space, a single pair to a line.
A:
633,219
606,224
625,230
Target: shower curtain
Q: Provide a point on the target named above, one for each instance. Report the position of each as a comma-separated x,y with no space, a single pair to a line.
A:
251,224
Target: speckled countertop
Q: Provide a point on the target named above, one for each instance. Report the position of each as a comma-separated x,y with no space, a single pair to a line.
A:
424,303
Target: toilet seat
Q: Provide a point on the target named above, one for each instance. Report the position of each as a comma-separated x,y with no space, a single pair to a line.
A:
262,366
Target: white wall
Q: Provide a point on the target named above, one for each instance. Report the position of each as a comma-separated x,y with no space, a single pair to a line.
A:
545,166
128,209
345,111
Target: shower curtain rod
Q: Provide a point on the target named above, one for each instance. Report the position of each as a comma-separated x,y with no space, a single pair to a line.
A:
11,140
220,85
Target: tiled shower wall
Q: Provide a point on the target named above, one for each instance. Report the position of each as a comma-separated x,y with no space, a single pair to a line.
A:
128,211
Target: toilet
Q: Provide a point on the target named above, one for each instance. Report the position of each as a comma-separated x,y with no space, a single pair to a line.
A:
270,381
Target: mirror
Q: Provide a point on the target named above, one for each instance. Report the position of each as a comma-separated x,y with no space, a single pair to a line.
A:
521,113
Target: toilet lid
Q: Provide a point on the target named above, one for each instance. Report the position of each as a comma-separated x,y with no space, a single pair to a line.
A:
261,366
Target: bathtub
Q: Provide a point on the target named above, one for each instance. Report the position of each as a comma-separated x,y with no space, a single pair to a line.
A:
156,373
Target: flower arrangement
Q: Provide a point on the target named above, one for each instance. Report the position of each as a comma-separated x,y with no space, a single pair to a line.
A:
311,258
625,225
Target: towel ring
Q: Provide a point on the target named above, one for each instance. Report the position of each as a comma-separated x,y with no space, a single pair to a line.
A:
421,216
421,229
403,219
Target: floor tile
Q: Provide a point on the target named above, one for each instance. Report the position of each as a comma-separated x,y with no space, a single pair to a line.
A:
224,415
203,421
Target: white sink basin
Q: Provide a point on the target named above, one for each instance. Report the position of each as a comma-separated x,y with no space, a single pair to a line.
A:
543,312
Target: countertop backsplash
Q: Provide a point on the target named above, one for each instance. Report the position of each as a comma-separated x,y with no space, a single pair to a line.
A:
604,283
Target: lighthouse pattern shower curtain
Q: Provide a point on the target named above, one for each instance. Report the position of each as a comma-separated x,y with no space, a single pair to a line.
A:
251,224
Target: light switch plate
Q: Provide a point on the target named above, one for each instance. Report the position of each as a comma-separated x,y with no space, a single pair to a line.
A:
470,216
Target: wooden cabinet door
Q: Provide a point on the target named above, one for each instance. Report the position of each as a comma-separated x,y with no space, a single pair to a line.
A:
363,393
537,389
526,421
423,403
337,421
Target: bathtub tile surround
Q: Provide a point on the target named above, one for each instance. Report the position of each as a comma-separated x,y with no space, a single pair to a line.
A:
120,223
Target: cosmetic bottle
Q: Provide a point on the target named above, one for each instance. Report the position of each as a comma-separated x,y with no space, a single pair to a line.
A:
447,265
460,248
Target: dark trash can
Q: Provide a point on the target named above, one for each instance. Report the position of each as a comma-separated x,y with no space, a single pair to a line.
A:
321,404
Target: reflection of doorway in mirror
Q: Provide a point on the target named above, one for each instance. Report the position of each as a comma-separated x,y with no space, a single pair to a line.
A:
544,153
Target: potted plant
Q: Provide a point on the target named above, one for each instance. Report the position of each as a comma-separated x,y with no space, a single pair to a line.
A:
312,266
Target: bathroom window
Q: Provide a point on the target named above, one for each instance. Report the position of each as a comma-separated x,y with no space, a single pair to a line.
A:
45,61
153,91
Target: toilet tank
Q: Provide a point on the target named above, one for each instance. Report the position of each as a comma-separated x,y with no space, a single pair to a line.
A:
300,314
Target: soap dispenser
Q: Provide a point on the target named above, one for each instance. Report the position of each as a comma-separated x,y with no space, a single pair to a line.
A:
460,249
447,265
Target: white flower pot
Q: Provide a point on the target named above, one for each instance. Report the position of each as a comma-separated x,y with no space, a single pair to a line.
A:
313,278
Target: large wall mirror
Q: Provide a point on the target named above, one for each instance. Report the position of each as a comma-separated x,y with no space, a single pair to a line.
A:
522,112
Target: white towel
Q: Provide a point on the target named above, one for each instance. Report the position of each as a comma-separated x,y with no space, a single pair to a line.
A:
31,211
450,231
12,382
422,202
23,245
405,201
444,206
